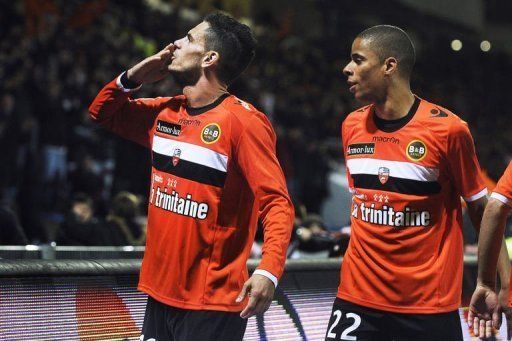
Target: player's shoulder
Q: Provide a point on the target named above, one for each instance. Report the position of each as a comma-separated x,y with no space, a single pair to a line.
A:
241,110
357,116
439,118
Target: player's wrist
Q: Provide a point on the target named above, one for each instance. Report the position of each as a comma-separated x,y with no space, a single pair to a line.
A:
129,80
486,283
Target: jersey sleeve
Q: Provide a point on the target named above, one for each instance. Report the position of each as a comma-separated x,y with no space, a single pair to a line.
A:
503,190
258,162
132,119
463,163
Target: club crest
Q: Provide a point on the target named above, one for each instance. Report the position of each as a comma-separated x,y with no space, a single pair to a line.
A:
176,156
383,175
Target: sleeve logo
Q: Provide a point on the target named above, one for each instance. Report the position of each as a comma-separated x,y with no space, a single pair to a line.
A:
210,133
361,149
416,150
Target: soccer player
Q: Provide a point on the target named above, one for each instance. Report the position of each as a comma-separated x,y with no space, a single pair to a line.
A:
485,307
408,162
214,174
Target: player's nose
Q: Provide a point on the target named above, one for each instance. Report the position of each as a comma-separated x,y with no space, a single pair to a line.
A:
347,70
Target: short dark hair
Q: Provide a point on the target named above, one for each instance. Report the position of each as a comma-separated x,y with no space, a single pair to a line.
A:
233,41
391,41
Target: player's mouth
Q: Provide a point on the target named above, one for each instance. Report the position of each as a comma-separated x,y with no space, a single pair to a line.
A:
352,86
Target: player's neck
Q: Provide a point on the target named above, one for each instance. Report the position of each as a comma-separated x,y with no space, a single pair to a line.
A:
396,103
204,92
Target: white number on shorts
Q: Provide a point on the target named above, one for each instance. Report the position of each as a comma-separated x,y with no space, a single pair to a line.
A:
330,334
357,322
344,335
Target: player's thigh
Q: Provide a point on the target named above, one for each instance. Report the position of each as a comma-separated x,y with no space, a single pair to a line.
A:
426,327
350,322
154,327
207,325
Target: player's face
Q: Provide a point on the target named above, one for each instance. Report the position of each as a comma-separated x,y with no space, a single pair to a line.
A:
188,54
365,73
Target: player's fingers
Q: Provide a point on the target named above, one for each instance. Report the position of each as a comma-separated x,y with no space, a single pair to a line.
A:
249,309
488,329
481,331
471,316
242,293
508,318
476,324
496,318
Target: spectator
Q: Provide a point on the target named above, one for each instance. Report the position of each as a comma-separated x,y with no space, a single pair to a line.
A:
123,227
80,226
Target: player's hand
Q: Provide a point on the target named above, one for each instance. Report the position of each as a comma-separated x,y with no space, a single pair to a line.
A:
261,291
503,298
153,68
484,312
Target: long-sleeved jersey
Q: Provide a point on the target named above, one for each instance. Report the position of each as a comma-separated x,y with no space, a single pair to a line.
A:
406,247
214,173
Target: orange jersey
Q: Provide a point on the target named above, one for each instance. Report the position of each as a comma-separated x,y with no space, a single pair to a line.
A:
406,248
503,190
503,193
214,173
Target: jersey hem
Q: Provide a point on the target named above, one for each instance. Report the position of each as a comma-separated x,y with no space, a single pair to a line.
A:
188,305
399,309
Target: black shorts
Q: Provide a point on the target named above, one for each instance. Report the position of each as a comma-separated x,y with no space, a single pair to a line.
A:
351,322
166,323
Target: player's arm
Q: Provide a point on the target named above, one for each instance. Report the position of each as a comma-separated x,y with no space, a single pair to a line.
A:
257,160
492,254
479,210
115,110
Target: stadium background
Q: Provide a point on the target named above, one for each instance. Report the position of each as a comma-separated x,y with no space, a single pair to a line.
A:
55,56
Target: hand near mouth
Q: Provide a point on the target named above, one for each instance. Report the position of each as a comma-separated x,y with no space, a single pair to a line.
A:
153,68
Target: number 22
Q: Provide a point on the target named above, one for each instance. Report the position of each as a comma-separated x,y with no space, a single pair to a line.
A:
345,335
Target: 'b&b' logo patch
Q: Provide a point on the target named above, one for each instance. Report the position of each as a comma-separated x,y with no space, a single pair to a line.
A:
416,150
210,133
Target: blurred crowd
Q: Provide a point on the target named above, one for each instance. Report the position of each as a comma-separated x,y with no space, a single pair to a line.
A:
64,180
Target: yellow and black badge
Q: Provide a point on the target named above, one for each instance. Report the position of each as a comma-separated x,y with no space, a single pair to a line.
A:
210,133
416,150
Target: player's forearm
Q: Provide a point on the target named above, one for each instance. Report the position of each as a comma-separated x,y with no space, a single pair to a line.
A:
107,103
490,244
278,226
504,267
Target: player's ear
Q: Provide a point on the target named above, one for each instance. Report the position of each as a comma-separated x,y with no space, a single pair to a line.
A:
210,58
390,65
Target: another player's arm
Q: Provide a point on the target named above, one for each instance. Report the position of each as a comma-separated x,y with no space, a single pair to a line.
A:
258,161
485,306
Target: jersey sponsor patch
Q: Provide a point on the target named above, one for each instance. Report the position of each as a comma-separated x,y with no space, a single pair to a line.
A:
361,149
168,128
211,133
416,150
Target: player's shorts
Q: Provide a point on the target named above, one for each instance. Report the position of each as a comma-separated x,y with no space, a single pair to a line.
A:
351,322
166,323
